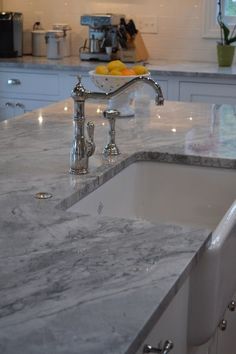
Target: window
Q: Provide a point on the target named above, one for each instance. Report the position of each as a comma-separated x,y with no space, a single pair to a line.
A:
210,10
229,11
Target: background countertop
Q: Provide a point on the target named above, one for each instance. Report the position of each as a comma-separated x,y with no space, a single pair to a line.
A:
157,67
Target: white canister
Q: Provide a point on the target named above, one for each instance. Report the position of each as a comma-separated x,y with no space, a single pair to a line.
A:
38,43
55,44
67,36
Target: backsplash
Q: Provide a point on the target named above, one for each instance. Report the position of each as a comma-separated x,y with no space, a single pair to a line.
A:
179,23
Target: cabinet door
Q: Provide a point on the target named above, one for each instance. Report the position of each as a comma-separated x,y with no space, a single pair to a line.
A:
14,107
172,325
6,110
207,92
227,338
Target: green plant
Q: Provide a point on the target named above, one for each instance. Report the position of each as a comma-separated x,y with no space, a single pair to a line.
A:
226,38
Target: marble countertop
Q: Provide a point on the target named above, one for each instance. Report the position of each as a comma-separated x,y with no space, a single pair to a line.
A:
72,283
196,69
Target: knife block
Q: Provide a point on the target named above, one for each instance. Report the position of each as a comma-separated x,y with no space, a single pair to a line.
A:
136,50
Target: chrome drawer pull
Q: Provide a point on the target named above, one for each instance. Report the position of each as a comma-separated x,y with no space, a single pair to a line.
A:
223,325
13,82
232,306
9,104
20,105
165,349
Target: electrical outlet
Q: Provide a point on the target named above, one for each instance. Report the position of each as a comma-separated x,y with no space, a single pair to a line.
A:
147,24
38,15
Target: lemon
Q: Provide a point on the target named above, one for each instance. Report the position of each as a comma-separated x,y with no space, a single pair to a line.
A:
101,70
115,72
140,69
116,64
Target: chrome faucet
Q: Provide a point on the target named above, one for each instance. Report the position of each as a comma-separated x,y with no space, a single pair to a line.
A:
82,149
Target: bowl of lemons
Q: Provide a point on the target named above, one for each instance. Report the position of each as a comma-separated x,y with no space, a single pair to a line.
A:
112,76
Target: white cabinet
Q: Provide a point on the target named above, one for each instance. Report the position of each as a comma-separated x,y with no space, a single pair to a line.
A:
197,89
172,324
227,338
11,107
223,342
21,82
209,92
23,90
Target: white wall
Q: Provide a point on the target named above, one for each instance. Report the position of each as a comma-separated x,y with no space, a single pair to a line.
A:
179,23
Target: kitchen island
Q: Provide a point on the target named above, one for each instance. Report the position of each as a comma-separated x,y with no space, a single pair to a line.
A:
75,283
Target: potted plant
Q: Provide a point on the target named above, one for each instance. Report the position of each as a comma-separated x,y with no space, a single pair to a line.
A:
225,51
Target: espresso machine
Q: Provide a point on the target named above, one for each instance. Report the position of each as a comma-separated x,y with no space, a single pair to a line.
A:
102,43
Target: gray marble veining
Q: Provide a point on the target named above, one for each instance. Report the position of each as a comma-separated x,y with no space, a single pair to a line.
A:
79,284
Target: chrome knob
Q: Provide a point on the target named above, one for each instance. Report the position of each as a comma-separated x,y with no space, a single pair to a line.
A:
223,325
168,345
111,148
165,349
232,306
149,349
9,104
20,105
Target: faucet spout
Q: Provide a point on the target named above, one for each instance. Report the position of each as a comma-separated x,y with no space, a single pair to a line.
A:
137,80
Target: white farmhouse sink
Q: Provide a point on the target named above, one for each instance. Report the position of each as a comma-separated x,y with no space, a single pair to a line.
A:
213,281
163,192
199,196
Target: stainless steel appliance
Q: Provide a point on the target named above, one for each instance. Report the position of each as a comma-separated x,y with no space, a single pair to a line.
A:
102,43
11,34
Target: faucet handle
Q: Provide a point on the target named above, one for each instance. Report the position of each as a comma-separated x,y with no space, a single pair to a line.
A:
90,130
90,144
111,113
111,148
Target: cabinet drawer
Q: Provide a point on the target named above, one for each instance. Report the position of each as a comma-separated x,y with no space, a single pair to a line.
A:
14,107
29,83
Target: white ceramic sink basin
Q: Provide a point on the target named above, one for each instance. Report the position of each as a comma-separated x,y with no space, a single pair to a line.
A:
213,281
199,196
163,192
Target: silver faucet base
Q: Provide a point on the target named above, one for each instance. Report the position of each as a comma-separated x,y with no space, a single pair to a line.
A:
83,171
111,150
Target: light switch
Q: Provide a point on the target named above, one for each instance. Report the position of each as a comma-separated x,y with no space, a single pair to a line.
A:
147,24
